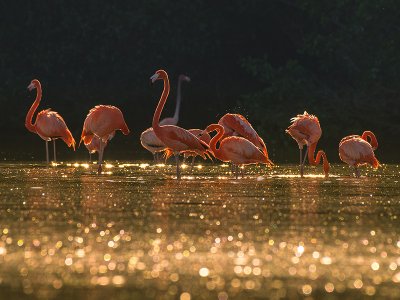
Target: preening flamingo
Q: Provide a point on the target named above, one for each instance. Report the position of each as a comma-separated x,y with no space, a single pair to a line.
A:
177,139
305,130
238,125
49,125
102,121
237,150
356,150
148,138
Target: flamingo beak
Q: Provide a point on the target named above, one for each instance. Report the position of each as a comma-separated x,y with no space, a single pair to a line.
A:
31,87
154,78
187,78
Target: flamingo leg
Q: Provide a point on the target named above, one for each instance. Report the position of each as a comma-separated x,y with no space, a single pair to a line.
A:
54,150
192,164
242,172
357,171
155,160
303,163
236,172
178,170
47,152
101,150
90,157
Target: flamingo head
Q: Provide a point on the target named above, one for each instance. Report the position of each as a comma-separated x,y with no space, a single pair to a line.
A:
160,74
33,85
183,77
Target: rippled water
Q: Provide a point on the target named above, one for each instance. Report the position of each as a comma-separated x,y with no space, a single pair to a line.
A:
137,233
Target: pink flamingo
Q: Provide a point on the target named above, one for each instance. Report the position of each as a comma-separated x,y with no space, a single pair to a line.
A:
175,138
152,143
237,150
102,121
305,130
148,138
356,150
238,125
49,125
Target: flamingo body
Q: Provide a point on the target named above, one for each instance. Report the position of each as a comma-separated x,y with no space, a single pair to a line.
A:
355,150
238,125
240,151
50,125
103,121
305,129
151,142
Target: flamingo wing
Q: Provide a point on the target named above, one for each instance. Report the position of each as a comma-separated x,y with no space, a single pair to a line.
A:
241,151
179,139
49,125
239,125
150,141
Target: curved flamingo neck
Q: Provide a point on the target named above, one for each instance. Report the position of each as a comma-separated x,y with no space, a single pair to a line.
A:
161,103
220,132
28,120
317,160
372,138
178,101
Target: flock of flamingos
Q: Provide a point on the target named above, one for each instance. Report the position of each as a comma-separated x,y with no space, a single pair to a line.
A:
235,140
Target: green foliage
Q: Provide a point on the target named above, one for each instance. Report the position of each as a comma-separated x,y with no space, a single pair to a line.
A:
345,70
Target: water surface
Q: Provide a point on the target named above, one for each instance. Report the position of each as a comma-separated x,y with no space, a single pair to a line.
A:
137,233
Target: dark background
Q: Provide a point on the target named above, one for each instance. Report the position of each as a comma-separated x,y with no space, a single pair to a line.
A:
268,60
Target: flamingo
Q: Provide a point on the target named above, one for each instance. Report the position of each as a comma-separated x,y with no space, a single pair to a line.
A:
356,150
305,130
175,138
148,138
102,121
49,125
151,142
94,146
237,150
238,125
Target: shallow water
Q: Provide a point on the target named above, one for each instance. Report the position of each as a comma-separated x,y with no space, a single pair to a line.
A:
137,233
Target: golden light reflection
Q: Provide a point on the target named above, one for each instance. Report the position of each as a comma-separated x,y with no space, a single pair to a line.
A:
202,238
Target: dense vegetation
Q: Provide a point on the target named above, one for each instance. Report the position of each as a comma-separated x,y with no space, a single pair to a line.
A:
268,60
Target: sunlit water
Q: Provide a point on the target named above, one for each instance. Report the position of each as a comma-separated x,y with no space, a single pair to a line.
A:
135,232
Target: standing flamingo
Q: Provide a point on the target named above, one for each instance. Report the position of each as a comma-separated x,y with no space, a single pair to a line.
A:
238,125
148,138
49,125
305,129
152,143
175,119
237,150
102,121
356,150
175,138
